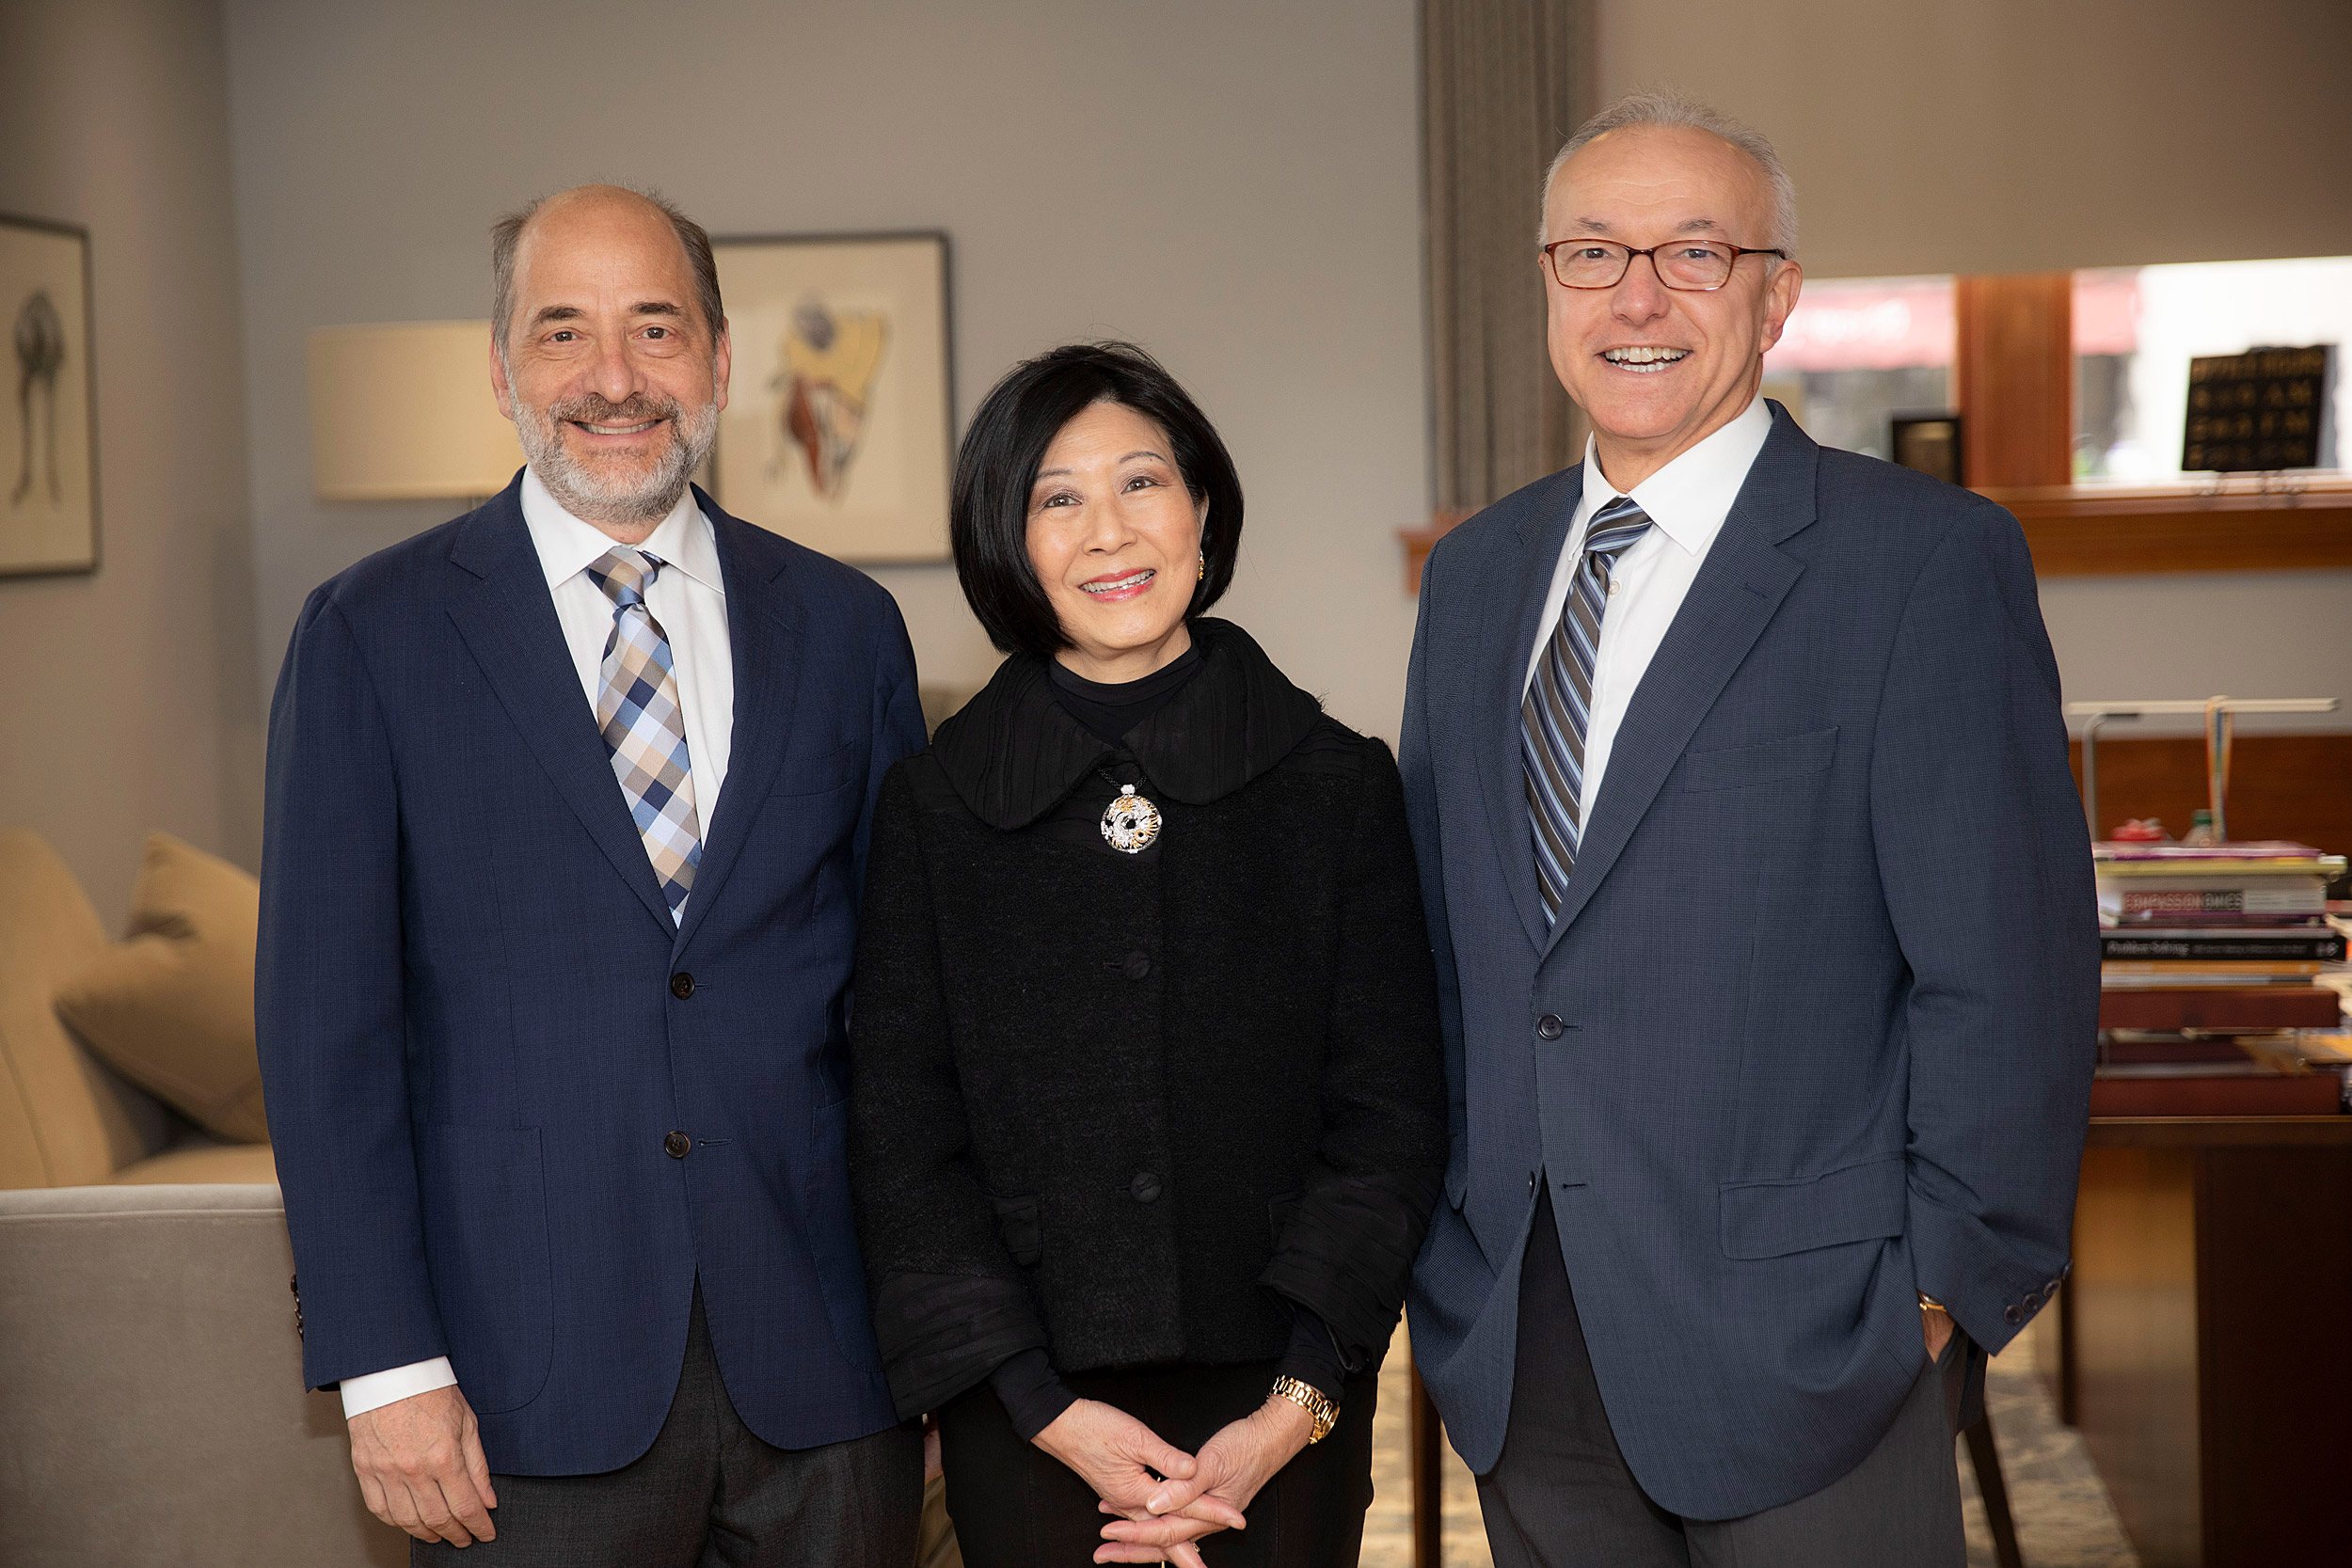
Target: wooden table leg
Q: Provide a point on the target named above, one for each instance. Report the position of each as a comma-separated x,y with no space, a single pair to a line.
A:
1428,1480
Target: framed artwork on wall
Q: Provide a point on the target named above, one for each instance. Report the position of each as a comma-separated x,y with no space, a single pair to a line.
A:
1930,444
838,428
49,422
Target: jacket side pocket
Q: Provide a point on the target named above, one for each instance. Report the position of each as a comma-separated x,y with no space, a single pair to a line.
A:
485,1246
1862,1202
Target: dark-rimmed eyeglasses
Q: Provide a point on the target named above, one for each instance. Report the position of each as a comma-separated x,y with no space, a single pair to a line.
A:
1692,265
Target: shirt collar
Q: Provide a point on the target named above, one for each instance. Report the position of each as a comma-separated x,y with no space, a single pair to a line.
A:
567,546
1689,498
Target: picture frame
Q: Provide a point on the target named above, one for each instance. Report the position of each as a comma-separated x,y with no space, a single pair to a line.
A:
839,428
48,405
1929,443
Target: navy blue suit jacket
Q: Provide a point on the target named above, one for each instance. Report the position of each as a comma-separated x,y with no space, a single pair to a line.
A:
1825,978
478,1024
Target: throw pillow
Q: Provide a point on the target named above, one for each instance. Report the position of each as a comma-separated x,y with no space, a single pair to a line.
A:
171,1005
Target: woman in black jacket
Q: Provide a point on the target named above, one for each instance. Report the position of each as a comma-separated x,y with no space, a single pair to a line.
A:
1148,1114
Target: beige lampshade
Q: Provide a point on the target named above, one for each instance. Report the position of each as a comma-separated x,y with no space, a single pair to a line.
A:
404,411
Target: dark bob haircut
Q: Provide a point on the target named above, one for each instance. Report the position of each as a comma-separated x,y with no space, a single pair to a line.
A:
988,515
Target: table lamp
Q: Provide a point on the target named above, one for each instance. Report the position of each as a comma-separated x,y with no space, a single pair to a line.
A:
2221,716
404,411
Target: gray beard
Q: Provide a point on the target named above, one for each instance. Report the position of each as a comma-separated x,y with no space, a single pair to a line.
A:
625,502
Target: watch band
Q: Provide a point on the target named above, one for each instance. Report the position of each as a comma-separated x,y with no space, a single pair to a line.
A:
1320,1410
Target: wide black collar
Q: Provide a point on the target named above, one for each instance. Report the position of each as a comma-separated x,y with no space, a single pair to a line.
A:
1013,752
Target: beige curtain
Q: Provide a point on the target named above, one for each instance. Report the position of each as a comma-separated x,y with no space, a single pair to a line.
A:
1504,83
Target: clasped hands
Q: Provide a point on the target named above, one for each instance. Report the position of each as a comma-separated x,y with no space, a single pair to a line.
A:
1163,1498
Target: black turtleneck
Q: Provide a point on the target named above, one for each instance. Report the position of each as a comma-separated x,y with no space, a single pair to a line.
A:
1110,709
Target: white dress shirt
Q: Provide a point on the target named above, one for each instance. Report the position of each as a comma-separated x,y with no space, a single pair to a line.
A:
690,601
1687,502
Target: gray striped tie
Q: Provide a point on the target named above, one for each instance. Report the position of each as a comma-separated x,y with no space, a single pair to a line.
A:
1558,706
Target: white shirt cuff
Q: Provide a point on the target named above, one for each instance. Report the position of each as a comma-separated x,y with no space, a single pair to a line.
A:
374,1390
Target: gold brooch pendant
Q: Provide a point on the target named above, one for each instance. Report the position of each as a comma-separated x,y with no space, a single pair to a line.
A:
1131,822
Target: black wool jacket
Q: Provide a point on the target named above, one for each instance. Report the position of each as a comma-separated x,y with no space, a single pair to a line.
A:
1131,1107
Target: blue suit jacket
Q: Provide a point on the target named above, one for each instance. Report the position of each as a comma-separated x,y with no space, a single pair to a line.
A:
1827,971
477,1026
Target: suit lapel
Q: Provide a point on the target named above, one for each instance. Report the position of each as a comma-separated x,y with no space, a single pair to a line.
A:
509,625
1737,590
1506,643
764,637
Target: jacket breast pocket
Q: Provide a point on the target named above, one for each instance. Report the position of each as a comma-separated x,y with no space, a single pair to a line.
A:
821,775
1854,1203
1017,1223
1770,761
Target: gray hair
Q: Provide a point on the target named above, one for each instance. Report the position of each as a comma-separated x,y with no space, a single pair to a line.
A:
506,237
1671,108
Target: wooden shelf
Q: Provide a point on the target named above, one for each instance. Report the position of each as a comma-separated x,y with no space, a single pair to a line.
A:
2302,524
2217,1131
2297,524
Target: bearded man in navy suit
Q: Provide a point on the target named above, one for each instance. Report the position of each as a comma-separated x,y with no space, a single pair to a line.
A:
568,809
1763,913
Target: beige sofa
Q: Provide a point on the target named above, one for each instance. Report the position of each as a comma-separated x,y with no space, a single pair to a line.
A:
67,1119
152,1406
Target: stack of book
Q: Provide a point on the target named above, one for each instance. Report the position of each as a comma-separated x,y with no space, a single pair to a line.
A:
2216,936
2218,980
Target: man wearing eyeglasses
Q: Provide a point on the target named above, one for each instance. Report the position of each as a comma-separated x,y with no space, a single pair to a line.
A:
1764,925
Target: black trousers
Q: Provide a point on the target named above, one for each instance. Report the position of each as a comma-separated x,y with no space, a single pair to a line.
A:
1562,1496
709,1493
1016,1506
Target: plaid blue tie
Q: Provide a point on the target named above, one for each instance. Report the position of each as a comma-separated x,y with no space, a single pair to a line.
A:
637,708
1558,706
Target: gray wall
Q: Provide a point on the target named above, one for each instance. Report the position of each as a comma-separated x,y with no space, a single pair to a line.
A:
1232,184
139,709
2015,136
2020,135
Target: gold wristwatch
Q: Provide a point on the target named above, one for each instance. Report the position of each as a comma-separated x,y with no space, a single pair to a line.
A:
1320,1410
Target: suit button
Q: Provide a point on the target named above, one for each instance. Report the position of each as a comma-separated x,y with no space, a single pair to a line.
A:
1135,965
1548,1027
681,984
677,1145
2033,1301
2049,1291
1145,1187
1531,1183
2012,1314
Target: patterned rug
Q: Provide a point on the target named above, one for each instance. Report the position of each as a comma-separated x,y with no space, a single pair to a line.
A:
2064,1519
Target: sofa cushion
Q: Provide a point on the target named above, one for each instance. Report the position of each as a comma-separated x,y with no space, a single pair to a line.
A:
202,1164
172,1005
66,1120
